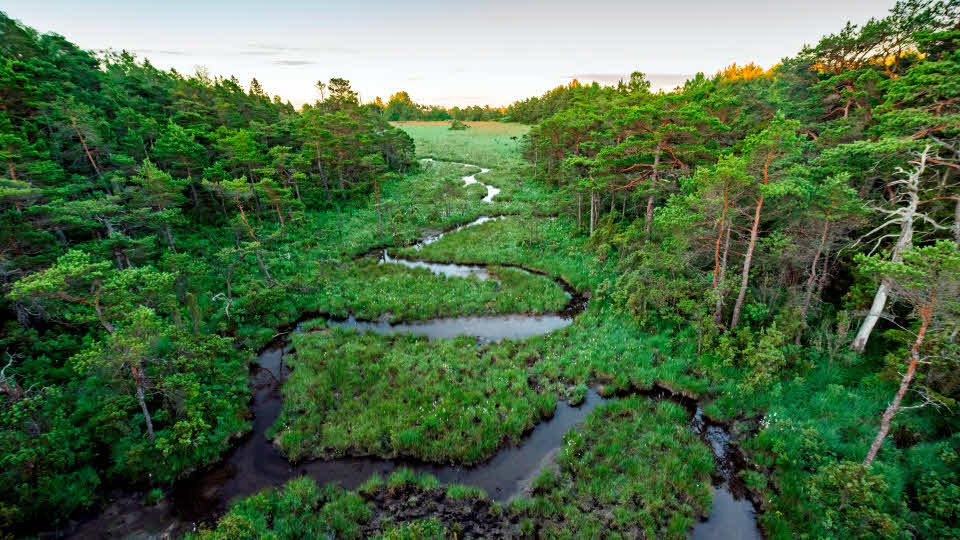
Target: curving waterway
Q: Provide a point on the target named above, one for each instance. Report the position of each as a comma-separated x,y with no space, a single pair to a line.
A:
254,463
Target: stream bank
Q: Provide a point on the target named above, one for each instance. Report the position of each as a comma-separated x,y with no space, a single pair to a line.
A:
254,463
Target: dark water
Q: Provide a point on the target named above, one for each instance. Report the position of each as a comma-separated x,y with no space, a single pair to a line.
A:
443,269
491,328
254,463
732,514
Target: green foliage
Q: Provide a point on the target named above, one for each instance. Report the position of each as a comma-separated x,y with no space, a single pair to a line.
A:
367,290
157,228
425,529
404,396
852,500
121,186
604,471
297,509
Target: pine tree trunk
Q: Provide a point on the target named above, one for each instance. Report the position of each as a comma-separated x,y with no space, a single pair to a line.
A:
593,213
193,195
276,206
812,280
654,178
648,217
925,314
720,234
83,143
721,291
138,382
747,260
243,218
956,223
263,266
169,235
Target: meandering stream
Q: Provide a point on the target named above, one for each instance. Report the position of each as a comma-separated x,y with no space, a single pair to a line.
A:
254,463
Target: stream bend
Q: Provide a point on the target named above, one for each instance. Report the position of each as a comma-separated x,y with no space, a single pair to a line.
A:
255,464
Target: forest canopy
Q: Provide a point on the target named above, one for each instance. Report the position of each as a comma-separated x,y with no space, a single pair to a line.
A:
142,211
780,244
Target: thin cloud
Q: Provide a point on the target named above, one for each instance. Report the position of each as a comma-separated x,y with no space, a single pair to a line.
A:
163,52
294,62
265,49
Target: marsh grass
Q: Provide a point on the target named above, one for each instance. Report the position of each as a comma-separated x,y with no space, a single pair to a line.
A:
367,290
548,244
298,509
635,469
404,395
489,144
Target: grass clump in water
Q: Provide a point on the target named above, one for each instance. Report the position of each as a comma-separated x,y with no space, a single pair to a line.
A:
368,289
404,395
634,470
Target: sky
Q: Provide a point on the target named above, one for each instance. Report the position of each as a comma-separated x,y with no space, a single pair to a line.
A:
446,52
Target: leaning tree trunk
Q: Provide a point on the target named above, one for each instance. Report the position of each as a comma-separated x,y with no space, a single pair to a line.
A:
925,315
747,260
169,235
138,382
812,280
83,143
904,242
266,273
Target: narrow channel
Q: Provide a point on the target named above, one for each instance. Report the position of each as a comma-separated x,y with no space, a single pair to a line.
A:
255,464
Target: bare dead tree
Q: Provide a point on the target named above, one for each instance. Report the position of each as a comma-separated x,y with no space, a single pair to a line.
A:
905,214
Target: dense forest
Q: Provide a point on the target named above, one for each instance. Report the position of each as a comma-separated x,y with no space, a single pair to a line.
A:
146,216
779,246
785,213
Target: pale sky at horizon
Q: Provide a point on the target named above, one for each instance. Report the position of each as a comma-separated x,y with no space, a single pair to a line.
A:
446,53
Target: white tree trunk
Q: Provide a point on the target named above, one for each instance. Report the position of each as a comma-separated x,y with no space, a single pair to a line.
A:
905,218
